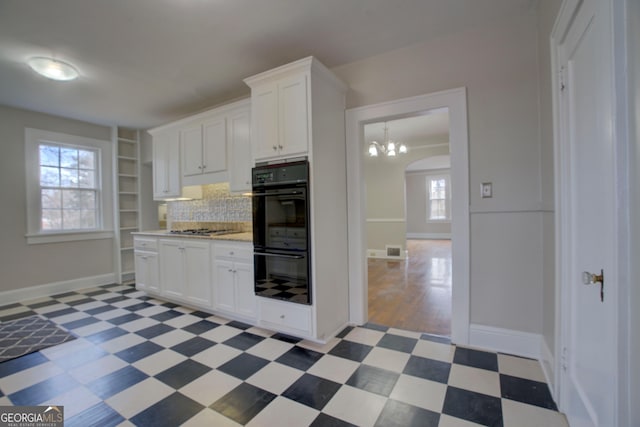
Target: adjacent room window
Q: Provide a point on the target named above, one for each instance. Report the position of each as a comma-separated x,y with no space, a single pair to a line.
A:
68,197
438,198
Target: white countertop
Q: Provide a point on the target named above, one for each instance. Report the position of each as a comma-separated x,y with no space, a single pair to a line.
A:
237,237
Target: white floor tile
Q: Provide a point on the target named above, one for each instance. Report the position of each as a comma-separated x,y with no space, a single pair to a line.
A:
182,321
434,350
216,355
92,328
364,336
387,359
270,349
112,314
71,298
50,308
152,311
90,305
139,397
74,401
334,368
158,362
70,317
139,324
403,333
14,310
419,392
319,347
474,379
28,377
122,342
523,415
260,331
98,368
66,349
221,333
520,367
275,377
210,387
284,412
209,417
355,406
172,338
449,421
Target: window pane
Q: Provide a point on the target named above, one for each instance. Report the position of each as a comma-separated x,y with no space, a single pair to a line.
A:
51,199
87,159
70,219
71,199
68,177
51,219
49,177
438,209
86,178
49,155
88,219
87,200
68,157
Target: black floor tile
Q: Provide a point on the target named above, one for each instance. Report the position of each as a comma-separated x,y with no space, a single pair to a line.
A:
166,315
16,316
474,407
476,358
42,304
399,414
61,312
96,292
81,357
344,332
154,331
244,341
64,295
526,391
374,380
183,373
80,323
201,327
115,299
43,391
139,351
398,343
115,382
21,363
201,314
239,325
8,306
171,305
312,391
101,309
80,301
100,414
436,338
428,369
128,291
351,350
138,306
286,338
126,318
193,346
376,327
324,420
299,358
106,335
169,412
243,366
243,403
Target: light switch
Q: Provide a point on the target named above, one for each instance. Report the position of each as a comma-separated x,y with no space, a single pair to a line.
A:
487,190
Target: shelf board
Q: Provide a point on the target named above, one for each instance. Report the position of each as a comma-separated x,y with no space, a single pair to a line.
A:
127,175
128,272
128,140
128,228
133,159
128,193
128,210
127,248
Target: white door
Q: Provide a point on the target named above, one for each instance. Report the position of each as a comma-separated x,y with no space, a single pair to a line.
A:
198,277
245,294
586,205
224,285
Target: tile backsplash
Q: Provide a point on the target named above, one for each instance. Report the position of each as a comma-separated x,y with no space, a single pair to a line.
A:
217,205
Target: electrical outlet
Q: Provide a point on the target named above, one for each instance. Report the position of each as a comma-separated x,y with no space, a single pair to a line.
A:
486,190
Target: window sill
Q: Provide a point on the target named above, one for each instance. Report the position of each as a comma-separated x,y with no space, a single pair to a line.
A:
439,221
36,239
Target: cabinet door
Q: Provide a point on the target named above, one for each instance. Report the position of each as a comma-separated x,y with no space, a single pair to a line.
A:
240,146
245,297
214,146
197,275
294,122
224,285
166,164
146,265
172,274
191,150
264,117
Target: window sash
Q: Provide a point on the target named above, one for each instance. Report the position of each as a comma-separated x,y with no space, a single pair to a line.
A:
438,198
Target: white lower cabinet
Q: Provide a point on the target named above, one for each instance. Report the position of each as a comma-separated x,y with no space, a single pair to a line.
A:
146,265
184,271
233,280
286,317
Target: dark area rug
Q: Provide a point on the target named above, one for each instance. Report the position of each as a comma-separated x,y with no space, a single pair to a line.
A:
23,336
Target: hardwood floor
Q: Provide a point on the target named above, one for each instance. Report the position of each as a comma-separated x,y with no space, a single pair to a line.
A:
414,294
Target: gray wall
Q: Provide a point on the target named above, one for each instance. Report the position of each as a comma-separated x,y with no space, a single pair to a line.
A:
417,224
25,265
499,67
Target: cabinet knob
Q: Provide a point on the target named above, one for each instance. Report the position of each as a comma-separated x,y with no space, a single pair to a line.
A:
230,252
204,166
230,271
282,316
280,147
275,148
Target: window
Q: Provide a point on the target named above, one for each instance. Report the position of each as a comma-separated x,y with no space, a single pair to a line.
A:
69,187
438,198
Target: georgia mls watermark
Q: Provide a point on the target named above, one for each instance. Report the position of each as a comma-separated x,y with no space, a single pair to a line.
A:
31,416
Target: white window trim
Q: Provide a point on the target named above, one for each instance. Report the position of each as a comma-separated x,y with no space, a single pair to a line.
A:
34,235
428,178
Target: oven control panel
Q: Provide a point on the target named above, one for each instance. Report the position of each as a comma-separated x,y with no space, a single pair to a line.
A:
282,173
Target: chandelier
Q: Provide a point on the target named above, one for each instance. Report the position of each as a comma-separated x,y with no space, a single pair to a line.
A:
388,147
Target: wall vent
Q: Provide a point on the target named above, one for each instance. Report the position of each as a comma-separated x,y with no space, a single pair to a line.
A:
394,251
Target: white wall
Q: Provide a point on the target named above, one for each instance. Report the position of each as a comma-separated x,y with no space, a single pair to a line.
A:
416,190
499,66
25,265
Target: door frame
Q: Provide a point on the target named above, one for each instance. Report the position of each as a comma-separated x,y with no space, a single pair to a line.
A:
563,219
456,101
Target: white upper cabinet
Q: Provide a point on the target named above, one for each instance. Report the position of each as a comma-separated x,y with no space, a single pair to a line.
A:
166,164
239,144
203,147
293,109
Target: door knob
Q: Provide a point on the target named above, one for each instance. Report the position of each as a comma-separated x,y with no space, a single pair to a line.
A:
590,279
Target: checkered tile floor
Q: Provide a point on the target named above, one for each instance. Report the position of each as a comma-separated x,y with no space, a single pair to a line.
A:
145,362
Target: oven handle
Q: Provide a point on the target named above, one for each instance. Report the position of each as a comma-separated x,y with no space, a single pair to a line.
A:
278,255
292,193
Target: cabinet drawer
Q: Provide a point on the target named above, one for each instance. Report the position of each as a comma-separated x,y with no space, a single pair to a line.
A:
143,244
244,252
287,317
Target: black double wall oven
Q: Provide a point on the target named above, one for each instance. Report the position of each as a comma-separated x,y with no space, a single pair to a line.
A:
281,231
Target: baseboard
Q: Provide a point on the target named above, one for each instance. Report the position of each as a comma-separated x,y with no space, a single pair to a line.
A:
506,341
32,292
429,236
548,367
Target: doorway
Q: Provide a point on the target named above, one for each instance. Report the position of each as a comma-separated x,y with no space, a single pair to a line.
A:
455,101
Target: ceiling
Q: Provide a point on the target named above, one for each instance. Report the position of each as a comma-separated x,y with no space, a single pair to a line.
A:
143,63
429,128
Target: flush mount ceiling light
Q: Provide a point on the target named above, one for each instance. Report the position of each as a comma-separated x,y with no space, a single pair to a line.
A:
388,147
53,68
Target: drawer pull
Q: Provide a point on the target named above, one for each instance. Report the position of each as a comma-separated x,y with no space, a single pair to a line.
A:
282,316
